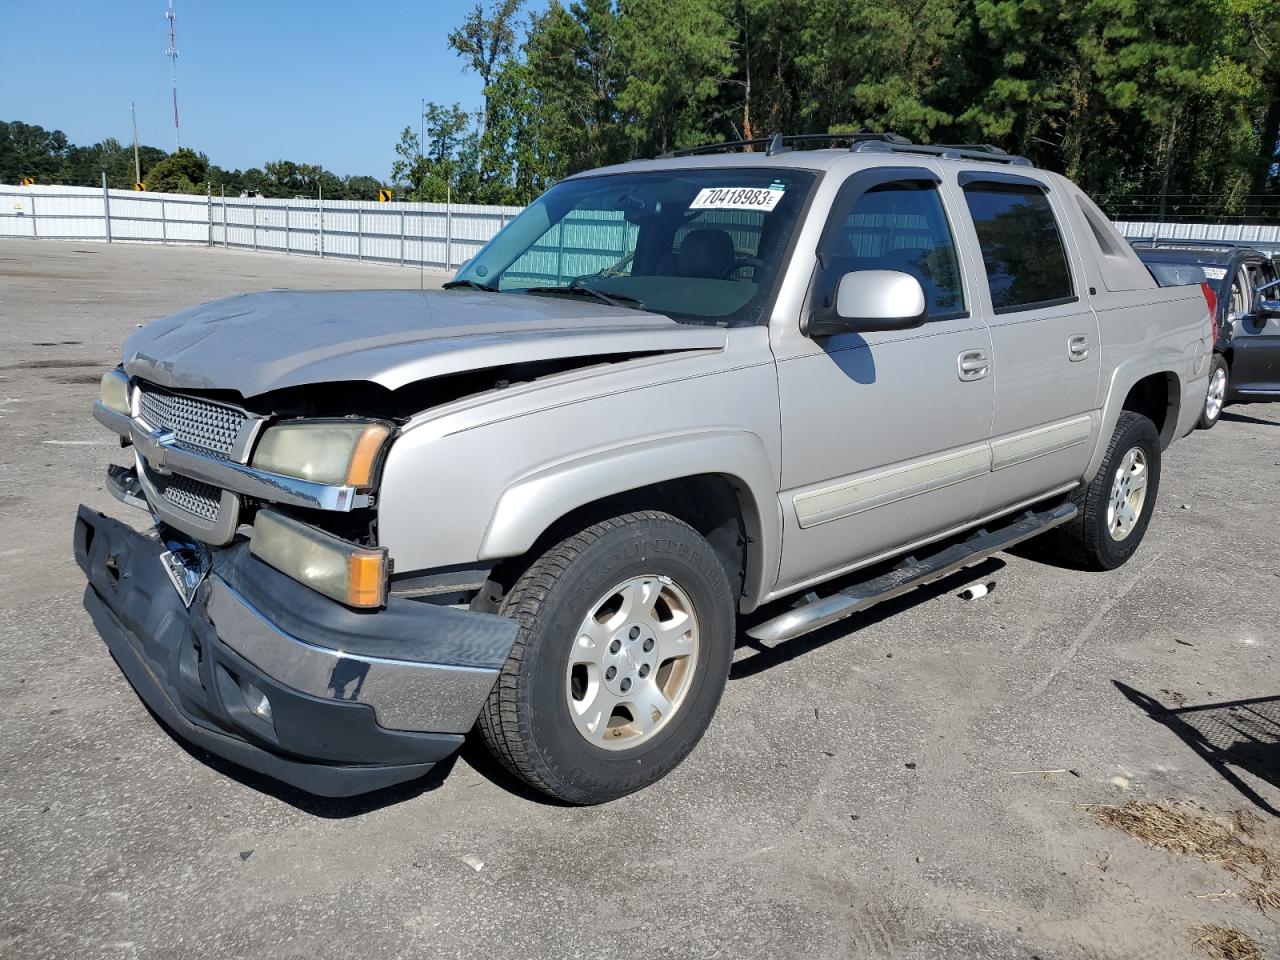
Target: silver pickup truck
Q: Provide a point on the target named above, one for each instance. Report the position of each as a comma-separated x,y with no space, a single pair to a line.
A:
778,382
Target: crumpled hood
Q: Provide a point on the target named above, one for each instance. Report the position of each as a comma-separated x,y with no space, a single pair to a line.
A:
258,342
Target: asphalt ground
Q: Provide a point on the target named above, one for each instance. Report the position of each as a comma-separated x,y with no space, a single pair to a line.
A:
877,789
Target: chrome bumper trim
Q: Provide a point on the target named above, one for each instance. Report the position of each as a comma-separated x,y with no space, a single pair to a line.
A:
218,532
165,454
115,422
123,484
404,694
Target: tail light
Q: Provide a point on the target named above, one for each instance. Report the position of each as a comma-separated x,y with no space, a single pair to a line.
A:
1211,299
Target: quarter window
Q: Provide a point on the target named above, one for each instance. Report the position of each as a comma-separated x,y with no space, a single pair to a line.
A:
1021,246
896,226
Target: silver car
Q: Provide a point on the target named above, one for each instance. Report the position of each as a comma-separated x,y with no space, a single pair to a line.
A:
789,381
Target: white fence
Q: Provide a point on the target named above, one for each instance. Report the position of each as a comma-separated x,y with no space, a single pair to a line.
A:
1264,237
428,234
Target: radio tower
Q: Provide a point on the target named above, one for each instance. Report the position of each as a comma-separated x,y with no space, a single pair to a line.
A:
172,54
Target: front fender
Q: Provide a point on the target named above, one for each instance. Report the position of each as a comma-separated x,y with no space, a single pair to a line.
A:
528,507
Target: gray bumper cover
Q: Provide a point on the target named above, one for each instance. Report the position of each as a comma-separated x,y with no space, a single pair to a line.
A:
359,699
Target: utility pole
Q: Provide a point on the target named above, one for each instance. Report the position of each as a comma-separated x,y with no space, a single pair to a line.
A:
137,164
172,54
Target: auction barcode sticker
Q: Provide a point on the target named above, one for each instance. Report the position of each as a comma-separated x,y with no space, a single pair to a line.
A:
738,198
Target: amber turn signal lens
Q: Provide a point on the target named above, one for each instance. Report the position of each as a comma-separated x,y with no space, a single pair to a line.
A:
366,579
347,572
364,457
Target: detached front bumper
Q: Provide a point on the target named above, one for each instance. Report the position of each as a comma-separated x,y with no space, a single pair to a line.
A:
358,700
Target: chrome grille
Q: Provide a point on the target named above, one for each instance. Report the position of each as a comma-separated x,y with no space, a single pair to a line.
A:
190,496
199,423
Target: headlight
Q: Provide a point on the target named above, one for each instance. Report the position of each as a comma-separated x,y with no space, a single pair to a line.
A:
114,392
326,451
356,576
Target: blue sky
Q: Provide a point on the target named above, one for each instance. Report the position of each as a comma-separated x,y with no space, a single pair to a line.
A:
316,82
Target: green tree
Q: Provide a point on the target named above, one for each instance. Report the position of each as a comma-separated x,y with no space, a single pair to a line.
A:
675,55
446,164
485,39
183,171
29,150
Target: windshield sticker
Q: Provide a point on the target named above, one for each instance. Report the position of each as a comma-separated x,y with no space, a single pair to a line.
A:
1214,273
738,198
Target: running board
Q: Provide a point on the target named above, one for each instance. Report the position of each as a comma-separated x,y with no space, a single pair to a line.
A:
907,575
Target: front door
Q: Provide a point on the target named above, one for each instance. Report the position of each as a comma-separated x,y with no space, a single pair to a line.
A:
1255,367
884,434
1044,336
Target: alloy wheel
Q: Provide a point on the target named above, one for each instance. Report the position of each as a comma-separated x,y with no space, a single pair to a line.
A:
1128,494
632,662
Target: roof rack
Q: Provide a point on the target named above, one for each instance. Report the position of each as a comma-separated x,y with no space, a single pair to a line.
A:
862,142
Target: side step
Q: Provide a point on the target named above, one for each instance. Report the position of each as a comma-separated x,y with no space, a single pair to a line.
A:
909,574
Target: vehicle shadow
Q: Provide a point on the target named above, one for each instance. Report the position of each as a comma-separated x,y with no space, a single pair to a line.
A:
767,657
1229,736
477,756
329,808
1235,417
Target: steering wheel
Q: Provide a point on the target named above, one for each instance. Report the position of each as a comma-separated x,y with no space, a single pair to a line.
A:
740,263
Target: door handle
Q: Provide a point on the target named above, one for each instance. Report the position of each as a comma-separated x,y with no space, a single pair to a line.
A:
973,364
1078,347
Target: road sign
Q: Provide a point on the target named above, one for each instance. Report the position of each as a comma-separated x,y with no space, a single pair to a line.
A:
28,181
385,196
139,186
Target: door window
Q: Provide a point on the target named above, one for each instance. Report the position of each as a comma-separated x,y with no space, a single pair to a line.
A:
901,226
1260,274
1021,246
1241,294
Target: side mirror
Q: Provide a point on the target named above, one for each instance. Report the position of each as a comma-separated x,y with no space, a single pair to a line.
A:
868,300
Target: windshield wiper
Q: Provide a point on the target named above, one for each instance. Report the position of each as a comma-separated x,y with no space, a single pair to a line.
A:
613,300
470,285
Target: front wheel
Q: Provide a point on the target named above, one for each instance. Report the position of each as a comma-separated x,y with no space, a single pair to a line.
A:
625,641
1216,398
1115,507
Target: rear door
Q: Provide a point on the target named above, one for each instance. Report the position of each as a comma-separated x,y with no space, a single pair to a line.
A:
1044,336
884,434
1255,367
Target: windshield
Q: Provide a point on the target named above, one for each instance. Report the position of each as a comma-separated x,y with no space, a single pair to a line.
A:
702,246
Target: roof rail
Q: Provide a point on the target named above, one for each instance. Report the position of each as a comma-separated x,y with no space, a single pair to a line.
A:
948,151
781,143
862,142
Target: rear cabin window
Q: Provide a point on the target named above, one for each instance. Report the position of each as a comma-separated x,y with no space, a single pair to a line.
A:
1021,246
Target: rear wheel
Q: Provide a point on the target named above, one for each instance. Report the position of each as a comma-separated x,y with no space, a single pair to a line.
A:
626,635
1115,507
1216,398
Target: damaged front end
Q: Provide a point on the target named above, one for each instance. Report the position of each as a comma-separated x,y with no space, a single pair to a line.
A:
254,617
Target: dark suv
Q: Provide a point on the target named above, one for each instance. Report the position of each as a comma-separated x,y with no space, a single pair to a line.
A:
1243,281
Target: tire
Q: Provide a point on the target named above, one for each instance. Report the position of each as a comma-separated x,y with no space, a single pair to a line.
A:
1216,398
1089,541
541,720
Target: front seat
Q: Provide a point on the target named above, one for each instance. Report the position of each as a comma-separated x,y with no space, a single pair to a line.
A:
706,253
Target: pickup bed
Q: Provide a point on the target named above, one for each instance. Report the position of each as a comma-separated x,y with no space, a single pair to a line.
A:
774,381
